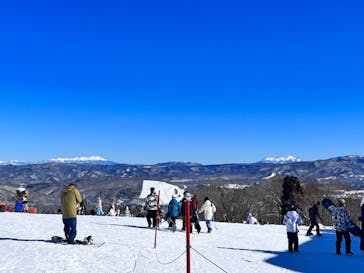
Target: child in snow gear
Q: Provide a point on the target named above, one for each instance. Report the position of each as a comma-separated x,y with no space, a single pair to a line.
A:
292,219
69,200
208,210
342,222
21,204
174,209
151,205
313,213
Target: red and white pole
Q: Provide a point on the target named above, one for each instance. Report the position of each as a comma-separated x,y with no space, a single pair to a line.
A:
188,244
156,222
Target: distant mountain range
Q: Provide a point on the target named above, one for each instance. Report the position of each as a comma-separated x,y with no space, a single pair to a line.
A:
97,160
98,176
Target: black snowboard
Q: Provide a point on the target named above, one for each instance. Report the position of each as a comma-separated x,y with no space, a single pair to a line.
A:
354,229
86,241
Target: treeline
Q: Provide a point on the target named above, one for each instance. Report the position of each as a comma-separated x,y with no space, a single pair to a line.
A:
266,201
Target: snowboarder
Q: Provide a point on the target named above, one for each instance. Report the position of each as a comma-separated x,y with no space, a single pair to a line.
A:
313,213
99,210
342,222
252,220
174,209
151,205
69,200
292,219
208,210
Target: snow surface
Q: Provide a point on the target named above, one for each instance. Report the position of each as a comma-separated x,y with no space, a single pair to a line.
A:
166,190
129,247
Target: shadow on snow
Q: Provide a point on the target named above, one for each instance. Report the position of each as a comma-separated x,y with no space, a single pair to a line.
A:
316,255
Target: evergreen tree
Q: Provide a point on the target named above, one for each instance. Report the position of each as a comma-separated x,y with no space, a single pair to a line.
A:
291,193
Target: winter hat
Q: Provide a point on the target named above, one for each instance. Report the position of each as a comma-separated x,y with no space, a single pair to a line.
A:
152,189
341,202
174,195
187,195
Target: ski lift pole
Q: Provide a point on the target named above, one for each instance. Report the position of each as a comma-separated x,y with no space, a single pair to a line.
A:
188,244
156,221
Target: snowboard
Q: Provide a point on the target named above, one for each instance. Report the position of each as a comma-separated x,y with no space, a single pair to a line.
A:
354,229
86,241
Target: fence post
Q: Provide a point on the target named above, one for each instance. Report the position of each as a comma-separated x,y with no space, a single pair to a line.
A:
188,244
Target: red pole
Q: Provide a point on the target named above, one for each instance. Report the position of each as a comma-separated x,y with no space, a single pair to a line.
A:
188,245
156,222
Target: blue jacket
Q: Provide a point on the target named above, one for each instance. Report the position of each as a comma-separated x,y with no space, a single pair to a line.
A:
174,208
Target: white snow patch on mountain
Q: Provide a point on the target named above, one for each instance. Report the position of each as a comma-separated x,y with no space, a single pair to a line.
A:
281,159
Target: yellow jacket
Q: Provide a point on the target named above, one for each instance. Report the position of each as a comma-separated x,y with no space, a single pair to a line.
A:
69,200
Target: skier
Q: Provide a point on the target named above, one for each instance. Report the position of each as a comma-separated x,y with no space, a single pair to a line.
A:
151,205
252,220
292,219
112,211
99,210
174,209
69,200
313,213
208,209
342,223
83,205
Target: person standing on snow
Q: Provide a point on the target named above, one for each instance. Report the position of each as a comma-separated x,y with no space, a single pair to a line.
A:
99,210
342,223
292,219
193,218
151,205
174,209
71,197
208,210
313,213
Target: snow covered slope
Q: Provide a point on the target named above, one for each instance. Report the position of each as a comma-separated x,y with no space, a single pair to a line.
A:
233,248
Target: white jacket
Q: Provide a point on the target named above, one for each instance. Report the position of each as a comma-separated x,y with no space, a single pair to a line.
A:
207,210
292,220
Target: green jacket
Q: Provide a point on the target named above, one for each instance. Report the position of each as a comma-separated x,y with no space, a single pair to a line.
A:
69,200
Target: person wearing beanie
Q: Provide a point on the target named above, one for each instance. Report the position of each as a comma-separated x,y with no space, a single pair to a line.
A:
292,219
341,221
174,209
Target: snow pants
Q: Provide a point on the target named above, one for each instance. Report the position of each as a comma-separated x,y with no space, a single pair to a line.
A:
292,241
70,229
339,238
152,217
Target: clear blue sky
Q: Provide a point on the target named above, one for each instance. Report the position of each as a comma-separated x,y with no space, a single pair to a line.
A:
203,81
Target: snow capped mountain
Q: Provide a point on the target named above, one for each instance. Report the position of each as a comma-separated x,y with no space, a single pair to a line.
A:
14,162
83,160
281,159
178,163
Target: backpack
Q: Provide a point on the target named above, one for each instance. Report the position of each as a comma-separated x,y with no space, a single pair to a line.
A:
213,207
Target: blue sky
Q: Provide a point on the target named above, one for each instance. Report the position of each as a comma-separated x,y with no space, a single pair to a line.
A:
203,81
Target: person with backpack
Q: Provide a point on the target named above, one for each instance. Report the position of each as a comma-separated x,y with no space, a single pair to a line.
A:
313,213
292,219
342,223
208,208
174,209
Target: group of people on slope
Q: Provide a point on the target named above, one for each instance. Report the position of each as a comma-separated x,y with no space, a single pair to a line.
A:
341,222
178,208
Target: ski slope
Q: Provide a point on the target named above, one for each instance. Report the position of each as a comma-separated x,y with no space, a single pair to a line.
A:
25,247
